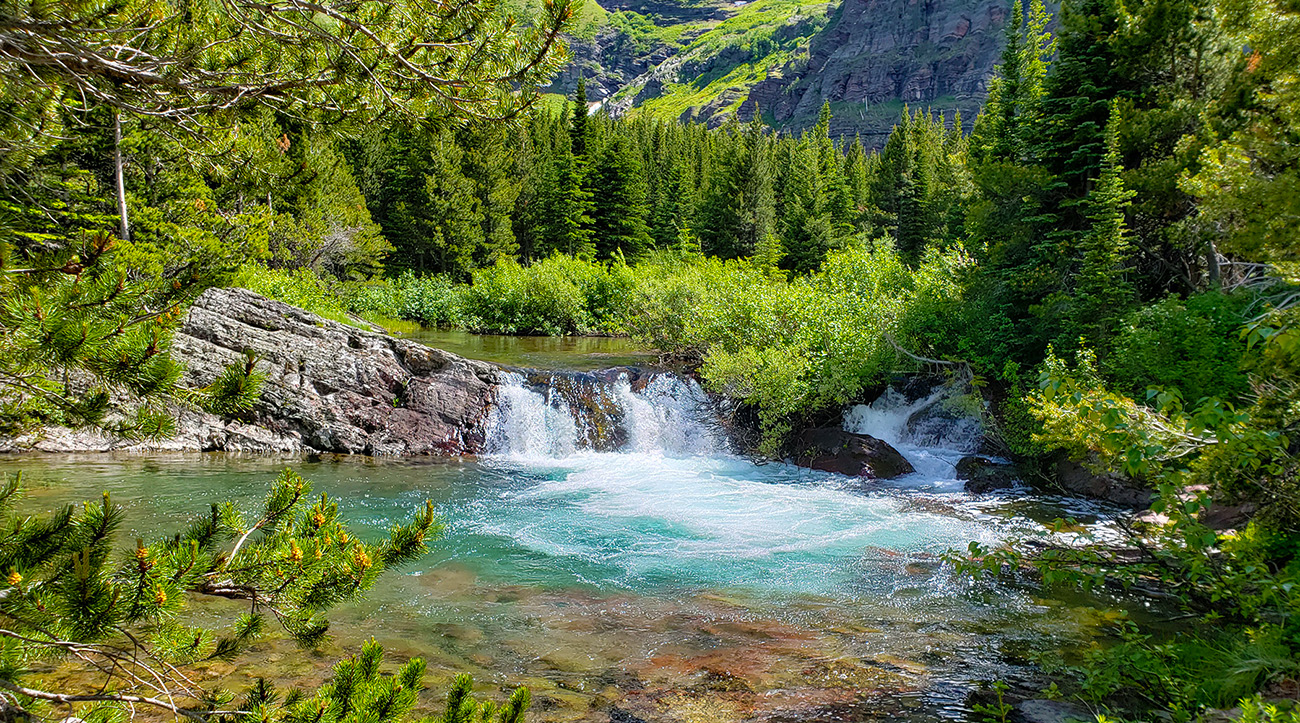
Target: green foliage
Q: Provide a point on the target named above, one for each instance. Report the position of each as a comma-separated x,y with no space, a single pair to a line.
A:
1192,346
77,330
70,596
433,301
998,711
792,348
560,295
303,288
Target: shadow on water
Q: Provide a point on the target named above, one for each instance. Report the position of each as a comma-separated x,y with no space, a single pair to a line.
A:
576,353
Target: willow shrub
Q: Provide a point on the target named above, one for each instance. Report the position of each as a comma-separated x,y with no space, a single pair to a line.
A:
793,348
559,295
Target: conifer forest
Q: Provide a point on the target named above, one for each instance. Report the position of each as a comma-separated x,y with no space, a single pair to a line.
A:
369,361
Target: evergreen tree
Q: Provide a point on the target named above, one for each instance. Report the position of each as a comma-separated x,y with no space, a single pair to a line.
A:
487,163
564,205
738,209
579,127
618,202
116,615
1077,94
1102,294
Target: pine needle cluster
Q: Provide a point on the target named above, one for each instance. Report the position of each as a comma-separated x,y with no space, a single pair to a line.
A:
68,594
88,344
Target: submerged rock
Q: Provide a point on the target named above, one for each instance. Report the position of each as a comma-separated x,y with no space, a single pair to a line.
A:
329,387
1075,478
982,474
832,449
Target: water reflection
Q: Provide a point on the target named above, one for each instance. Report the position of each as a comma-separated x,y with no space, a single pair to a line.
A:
578,353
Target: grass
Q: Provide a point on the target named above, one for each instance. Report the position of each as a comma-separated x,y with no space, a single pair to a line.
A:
751,29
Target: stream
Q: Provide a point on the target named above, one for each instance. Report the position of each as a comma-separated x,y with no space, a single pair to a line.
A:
627,566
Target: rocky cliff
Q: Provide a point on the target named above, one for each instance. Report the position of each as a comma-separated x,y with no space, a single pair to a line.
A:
329,387
868,58
877,55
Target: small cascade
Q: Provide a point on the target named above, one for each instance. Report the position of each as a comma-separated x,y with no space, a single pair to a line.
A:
938,420
619,410
933,432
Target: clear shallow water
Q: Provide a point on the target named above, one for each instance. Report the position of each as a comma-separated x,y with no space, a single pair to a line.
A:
671,579
539,352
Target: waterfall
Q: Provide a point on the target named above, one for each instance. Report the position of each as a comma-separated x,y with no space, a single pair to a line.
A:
933,432
560,414
937,420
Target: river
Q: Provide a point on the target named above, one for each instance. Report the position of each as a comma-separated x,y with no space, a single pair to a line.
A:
665,579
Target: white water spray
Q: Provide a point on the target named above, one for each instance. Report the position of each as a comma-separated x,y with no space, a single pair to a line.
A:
668,415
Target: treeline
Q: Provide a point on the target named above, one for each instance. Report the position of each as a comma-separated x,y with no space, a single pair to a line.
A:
589,187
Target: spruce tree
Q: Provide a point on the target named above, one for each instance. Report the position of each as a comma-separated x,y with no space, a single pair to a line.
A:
564,205
1102,293
579,127
618,202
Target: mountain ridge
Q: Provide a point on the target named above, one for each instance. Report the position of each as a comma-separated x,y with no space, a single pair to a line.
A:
711,61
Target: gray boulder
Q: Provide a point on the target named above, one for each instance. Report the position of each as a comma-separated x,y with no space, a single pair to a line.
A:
329,387
832,449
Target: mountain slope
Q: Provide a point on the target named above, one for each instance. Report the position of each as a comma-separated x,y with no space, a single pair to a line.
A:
708,60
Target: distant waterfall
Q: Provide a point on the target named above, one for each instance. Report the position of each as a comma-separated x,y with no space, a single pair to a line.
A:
557,415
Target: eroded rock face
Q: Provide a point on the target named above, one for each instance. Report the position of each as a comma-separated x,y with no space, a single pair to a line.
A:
877,54
832,449
329,387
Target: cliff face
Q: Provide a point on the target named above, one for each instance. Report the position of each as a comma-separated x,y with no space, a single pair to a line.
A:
707,62
876,55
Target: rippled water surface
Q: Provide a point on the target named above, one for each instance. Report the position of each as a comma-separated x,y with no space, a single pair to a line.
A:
538,352
669,580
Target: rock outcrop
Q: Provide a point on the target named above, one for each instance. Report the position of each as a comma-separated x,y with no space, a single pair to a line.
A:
329,387
831,449
1077,478
879,54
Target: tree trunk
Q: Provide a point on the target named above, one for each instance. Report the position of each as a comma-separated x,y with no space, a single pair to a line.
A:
124,225
1212,263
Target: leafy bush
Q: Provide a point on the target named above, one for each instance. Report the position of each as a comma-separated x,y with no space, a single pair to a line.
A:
302,288
1192,346
560,295
792,348
433,301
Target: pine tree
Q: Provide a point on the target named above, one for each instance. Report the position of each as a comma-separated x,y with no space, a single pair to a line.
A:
767,256
118,615
1102,293
86,344
738,209
618,202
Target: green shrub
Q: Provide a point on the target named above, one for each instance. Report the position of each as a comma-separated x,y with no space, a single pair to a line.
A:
792,348
1192,346
302,288
432,301
557,296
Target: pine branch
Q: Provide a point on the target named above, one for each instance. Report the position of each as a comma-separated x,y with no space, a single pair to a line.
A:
68,699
